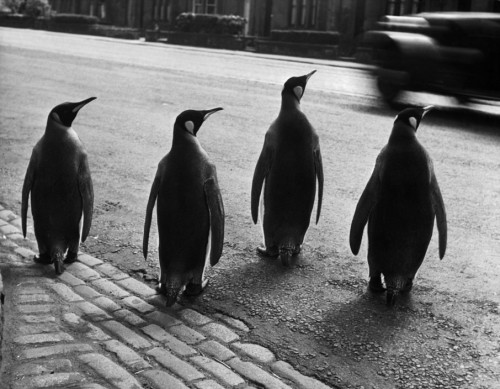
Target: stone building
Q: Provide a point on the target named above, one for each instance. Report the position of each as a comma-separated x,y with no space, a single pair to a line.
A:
350,17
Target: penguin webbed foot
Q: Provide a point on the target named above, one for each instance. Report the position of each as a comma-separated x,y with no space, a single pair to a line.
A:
408,286
161,289
43,259
375,285
195,289
267,252
71,257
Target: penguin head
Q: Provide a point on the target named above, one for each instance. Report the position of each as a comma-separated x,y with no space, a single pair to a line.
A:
192,120
412,116
65,113
296,86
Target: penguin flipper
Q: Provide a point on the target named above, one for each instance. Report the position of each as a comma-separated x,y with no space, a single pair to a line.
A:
87,194
149,214
318,167
259,175
438,205
363,209
29,178
216,212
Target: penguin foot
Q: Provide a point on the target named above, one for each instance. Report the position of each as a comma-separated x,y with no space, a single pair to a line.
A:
265,252
58,264
71,257
375,285
161,289
408,286
43,259
193,289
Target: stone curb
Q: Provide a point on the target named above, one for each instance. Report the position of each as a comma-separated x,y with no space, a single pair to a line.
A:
96,327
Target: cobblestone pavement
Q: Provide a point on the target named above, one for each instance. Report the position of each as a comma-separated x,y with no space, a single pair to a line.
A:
95,327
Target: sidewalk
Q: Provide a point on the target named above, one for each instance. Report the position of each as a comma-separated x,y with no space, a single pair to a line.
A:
95,327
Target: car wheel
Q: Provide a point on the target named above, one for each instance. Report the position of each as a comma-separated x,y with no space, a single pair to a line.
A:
391,83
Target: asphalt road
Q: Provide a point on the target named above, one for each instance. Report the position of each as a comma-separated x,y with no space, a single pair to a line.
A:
316,315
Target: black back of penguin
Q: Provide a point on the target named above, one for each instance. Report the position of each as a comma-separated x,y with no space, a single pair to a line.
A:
285,176
399,203
58,179
189,210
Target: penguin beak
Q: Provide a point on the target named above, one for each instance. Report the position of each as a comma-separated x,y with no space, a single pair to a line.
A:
426,109
209,112
81,104
308,76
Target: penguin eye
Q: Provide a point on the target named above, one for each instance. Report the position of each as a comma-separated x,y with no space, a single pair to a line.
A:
413,122
189,126
298,92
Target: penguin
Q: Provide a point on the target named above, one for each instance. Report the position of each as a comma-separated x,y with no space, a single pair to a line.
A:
400,202
62,195
190,211
284,180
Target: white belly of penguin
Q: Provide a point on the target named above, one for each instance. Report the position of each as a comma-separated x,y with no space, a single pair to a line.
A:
208,252
80,228
262,212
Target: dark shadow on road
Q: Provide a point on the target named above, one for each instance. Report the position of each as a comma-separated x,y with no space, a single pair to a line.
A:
467,119
250,281
367,319
462,118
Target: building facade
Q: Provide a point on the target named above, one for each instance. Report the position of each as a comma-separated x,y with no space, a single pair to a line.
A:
350,17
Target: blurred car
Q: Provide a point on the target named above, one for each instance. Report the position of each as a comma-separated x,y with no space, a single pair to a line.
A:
449,53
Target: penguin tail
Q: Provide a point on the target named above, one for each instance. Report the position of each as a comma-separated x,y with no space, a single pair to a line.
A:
58,260
395,284
171,294
285,256
286,252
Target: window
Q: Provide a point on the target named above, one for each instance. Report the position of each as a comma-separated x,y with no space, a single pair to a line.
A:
198,6
163,14
211,6
159,10
293,13
205,6
102,7
402,7
303,13
416,6
395,7
313,10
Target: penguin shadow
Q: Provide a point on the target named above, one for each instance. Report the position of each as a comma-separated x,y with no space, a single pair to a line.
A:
298,261
367,317
273,265
269,272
